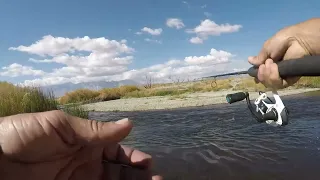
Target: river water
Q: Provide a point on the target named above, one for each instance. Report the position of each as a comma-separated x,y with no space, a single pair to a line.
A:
225,142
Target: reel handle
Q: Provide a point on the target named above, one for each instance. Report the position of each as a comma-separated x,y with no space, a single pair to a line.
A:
305,66
235,97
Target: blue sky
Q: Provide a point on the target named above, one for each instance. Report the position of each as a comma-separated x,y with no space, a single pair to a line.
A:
25,22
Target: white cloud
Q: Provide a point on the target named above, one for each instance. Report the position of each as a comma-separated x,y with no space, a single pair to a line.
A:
190,67
105,58
185,2
207,14
210,28
107,61
215,57
203,6
154,32
52,46
123,41
196,40
153,40
15,70
175,23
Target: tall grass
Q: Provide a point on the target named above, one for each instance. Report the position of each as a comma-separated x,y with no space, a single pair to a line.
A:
16,100
308,82
211,85
175,89
80,95
155,92
248,84
106,94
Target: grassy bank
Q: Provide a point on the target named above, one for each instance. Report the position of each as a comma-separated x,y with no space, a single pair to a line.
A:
106,94
85,96
16,100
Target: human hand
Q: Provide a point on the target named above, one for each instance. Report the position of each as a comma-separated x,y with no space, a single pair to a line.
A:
291,42
56,146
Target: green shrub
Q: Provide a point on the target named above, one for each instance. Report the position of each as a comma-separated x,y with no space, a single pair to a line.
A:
17,100
79,95
76,110
88,96
108,94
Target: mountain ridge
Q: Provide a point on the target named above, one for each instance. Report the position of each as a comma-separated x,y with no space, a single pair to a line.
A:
60,89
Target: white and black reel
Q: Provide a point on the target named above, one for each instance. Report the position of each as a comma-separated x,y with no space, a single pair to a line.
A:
264,109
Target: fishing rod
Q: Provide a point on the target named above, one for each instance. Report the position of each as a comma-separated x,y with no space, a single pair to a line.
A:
227,74
264,109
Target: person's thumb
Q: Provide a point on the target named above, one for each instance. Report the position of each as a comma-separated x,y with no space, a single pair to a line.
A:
99,132
260,58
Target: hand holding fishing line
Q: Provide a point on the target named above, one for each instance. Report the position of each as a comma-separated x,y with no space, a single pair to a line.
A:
292,42
56,146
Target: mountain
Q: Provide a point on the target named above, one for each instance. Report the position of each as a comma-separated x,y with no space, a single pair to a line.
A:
61,89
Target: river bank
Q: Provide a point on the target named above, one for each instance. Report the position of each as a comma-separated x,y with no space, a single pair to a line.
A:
180,101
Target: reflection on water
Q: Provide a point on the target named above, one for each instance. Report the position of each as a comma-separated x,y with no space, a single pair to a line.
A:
225,142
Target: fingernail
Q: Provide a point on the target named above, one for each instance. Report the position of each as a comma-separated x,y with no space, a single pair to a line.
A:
122,121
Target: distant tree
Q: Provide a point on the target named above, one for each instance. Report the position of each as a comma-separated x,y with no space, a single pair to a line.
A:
148,83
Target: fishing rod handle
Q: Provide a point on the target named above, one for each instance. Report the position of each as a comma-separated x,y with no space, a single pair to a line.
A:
306,66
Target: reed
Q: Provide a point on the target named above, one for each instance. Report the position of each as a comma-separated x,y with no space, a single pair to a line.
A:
17,100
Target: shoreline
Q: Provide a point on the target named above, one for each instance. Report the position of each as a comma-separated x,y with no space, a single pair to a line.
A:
175,102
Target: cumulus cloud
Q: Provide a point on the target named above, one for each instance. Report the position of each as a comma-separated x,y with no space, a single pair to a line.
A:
153,40
196,40
105,58
16,69
210,28
215,57
98,59
53,46
175,23
190,67
153,32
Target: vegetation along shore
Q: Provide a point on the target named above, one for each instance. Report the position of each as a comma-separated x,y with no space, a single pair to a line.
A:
15,99
175,94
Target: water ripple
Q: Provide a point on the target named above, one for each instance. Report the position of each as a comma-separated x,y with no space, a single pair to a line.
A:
224,141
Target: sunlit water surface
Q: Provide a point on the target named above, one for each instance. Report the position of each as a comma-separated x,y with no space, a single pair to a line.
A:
225,142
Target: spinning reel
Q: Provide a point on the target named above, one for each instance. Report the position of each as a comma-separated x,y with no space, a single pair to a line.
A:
273,113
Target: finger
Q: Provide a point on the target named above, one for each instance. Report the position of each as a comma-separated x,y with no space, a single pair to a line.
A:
88,170
275,80
261,72
290,81
268,63
116,172
256,80
278,47
157,177
267,72
99,132
128,156
261,58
